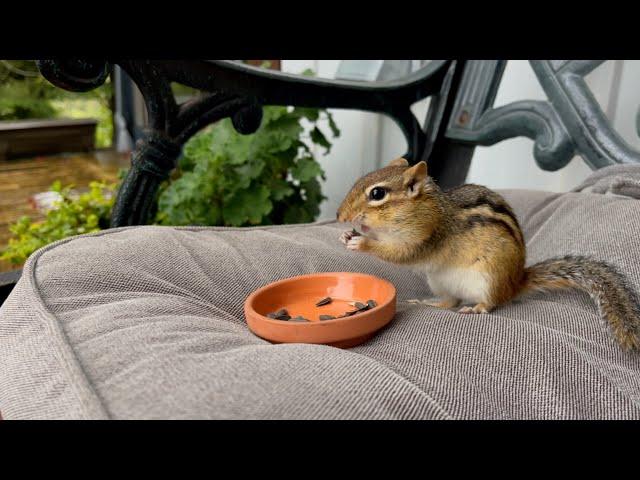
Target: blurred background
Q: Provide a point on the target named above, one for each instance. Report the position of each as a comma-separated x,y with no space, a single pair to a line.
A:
62,154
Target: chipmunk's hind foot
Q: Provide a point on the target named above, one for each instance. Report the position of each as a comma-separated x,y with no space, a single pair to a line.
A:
478,308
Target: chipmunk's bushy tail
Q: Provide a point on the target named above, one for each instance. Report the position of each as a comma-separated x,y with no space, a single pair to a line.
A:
616,300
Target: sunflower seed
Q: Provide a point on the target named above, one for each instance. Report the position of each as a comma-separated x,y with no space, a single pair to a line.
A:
372,303
358,305
327,317
279,315
324,301
299,319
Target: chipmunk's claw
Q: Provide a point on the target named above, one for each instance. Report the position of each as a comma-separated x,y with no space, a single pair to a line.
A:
348,235
479,308
356,243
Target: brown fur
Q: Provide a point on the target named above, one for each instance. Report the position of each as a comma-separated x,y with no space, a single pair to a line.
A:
473,228
616,300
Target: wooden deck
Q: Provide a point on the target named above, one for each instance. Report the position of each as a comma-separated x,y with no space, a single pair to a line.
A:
20,179
24,138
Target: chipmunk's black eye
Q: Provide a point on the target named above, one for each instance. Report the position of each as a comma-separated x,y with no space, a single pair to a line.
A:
377,193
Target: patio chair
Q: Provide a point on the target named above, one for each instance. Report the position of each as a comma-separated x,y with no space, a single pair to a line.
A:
146,322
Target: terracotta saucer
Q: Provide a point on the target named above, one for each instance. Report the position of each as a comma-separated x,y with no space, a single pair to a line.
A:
299,295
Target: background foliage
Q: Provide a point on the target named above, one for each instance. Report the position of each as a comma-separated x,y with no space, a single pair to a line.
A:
25,94
74,215
223,178
269,177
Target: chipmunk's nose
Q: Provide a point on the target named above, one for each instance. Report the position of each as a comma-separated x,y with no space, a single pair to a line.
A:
347,215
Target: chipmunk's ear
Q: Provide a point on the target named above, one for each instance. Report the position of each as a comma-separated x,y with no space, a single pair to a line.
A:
414,178
399,162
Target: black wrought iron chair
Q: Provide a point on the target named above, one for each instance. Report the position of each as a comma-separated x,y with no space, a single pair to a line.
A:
147,322
460,117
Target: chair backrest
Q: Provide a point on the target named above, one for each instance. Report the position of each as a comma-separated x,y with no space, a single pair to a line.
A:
461,113
569,122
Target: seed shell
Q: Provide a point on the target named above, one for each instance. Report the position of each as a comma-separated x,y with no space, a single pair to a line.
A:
299,319
324,301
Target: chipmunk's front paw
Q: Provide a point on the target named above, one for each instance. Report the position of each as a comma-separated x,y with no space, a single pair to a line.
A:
348,235
357,243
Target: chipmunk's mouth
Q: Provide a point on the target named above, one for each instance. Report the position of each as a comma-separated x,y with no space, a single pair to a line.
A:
364,230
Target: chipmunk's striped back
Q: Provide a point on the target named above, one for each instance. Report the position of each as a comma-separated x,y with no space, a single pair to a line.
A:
482,206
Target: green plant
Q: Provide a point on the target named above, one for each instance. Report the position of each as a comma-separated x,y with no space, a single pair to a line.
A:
269,177
223,178
73,214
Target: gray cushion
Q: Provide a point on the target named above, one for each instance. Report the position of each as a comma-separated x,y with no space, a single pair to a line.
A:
147,322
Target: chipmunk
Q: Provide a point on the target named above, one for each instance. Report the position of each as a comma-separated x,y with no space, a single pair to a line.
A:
469,243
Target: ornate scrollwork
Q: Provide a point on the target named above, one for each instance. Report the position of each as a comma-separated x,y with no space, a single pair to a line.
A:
247,119
231,91
171,125
392,98
570,122
154,155
553,148
594,137
75,75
